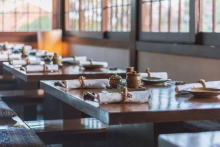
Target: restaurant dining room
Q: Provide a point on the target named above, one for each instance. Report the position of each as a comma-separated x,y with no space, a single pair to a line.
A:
109,73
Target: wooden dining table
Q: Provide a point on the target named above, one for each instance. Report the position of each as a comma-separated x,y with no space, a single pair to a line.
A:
132,124
31,80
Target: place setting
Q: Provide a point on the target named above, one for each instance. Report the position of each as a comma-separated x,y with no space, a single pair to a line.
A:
46,64
93,65
116,89
122,95
200,90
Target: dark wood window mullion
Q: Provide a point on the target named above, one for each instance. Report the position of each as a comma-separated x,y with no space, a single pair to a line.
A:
92,12
40,16
104,16
116,12
3,15
179,16
128,15
97,15
122,15
169,16
200,15
214,15
160,13
28,17
151,16
80,16
15,17
111,16
91,17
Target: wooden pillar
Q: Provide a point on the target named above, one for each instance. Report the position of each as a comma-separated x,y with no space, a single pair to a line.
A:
134,33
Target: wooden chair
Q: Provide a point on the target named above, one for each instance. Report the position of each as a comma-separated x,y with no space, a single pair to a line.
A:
69,130
203,139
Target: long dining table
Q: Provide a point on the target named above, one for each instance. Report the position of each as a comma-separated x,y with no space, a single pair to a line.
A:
133,124
31,80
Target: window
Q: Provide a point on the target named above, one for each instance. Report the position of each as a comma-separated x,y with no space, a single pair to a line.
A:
118,15
83,15
91,15
167,20
165,16
25,15
72,15
210,17
209,22
97,18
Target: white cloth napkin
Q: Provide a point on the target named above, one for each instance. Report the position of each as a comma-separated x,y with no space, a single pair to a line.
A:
49,54
24,62
94,83
28,47
6,52
33,51
11,56
137,97
163,75
212,84
105,64
10,46
40,52
77,58
40,68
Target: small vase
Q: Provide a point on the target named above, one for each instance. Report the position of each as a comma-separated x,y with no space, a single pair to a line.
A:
115,80
48,60
57,59
133,79
24,51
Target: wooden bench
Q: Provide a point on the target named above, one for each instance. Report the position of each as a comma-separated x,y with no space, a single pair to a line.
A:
24,102
69,130
22,96
203,139
202,125
7,86
7,82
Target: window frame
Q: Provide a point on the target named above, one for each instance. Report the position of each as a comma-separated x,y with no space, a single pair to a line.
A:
170,37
